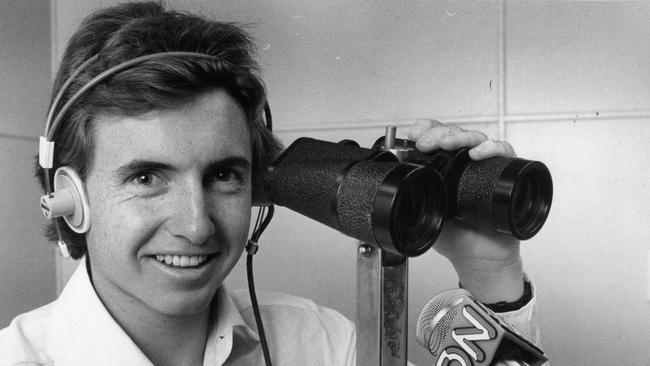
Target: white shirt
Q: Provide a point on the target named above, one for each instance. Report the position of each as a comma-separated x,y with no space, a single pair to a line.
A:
77,330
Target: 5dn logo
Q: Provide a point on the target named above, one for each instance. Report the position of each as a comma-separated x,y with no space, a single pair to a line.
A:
465,351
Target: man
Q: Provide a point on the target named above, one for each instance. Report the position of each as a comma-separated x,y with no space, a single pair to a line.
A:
167,151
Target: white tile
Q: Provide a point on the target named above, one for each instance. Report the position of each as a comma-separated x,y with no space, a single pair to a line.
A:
589,260
577,56
25,82
27,268
348,60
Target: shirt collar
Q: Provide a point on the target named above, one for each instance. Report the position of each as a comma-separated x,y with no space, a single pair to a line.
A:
86,333
228,325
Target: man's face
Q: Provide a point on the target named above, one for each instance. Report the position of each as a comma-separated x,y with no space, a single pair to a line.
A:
170,199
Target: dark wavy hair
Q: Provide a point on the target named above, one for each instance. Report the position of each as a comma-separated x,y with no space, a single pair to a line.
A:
120,33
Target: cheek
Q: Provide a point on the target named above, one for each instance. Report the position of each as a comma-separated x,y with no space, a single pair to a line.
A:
119,228
233,217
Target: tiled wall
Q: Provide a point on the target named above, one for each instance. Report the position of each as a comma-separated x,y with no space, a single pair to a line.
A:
27,265
567,83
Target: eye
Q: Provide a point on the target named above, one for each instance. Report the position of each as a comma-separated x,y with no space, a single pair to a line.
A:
227,180
224,175
144,179
146,183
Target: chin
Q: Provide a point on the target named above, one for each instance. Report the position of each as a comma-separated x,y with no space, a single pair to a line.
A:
188,305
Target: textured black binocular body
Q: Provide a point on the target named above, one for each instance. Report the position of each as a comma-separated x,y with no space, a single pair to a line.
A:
399,198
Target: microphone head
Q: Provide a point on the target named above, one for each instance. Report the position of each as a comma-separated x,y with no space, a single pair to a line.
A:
435,319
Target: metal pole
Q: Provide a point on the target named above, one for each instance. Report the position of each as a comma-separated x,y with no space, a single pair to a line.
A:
382,307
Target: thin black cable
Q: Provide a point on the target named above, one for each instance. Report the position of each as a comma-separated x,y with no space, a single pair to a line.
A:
251,249
267,219
267,116
258,222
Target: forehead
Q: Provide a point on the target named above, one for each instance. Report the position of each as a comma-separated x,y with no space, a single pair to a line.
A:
213,126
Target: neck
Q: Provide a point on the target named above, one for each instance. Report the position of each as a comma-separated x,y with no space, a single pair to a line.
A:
169,340
165,339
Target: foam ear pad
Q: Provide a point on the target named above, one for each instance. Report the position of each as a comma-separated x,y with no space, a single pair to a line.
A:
67,179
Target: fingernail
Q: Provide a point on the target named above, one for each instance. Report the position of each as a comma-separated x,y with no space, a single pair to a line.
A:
480,149
427,140
449,137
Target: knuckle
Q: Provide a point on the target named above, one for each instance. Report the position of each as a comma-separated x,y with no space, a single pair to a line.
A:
421,127
481,135
434,123
453,129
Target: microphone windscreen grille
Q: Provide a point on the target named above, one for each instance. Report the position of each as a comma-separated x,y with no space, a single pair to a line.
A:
435,319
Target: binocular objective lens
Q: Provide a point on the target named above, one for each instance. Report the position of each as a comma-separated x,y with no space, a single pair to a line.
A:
418,212
522,202
412,212
531,201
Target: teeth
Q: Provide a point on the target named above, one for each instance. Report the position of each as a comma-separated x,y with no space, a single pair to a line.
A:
181,260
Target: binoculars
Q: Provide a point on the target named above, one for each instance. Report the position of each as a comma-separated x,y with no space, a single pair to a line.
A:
399,198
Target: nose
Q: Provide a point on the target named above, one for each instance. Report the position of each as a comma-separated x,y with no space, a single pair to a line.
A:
190,215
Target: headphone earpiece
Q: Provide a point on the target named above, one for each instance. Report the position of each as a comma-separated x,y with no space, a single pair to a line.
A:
68,200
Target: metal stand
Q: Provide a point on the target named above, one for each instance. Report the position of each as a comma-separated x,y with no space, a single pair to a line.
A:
382,307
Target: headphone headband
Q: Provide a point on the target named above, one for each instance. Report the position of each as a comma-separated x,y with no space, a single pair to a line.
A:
52,125
46,148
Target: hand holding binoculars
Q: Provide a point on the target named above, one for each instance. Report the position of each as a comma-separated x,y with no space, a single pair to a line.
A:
399,198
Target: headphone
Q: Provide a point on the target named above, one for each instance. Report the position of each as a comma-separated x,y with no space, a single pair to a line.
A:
68,198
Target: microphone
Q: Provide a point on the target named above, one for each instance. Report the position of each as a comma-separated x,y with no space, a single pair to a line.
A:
460,331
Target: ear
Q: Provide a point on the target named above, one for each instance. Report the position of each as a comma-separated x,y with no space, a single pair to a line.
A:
68,200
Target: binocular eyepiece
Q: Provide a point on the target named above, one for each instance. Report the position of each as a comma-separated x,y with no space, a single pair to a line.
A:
397,197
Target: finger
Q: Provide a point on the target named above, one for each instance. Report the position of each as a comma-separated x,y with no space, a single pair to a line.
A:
430,139
491,148
420,126
463,138
507,363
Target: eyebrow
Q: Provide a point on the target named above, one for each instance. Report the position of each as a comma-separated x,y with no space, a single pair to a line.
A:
232,161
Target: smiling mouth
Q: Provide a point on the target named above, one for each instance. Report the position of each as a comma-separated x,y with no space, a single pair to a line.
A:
184,261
